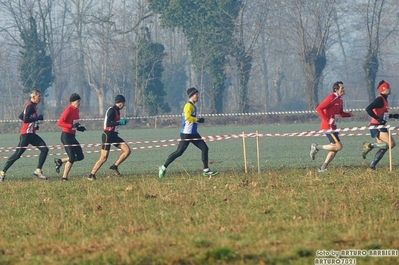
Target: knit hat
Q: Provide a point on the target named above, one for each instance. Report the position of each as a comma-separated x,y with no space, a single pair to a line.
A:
120,98
74,97
192,91
383,85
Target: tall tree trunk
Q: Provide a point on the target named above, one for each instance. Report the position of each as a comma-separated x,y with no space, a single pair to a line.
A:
370,68
265,72
217,84
314,62
101,101
278,78
244,69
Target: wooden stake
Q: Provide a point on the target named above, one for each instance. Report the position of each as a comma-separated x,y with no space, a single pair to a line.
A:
390,149
245,153
258,150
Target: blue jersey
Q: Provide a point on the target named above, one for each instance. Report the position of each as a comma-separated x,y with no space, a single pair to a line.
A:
189,119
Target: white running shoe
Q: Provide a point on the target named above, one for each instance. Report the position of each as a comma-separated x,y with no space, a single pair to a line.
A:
313,150
2,176
39,175
324,170
161,172
210,173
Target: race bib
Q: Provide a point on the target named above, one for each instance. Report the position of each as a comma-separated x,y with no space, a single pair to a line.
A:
385,116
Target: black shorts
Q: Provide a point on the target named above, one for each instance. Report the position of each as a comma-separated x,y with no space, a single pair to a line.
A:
375,133
333,137
109,138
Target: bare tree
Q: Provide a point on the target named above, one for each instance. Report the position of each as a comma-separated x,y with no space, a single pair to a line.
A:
105,44
308,27
59,38
80,15
381,21
29,29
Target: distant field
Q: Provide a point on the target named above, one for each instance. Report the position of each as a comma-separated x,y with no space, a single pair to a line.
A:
225,155
288,214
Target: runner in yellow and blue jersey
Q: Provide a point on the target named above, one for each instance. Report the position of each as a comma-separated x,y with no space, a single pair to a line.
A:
189,131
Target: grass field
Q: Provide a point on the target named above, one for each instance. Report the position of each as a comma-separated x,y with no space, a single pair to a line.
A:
275,152
283,215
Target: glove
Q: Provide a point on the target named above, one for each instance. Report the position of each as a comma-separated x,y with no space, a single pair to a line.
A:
37,127
123,121
394,116
81,128
40,117
201,120
76,125
382,122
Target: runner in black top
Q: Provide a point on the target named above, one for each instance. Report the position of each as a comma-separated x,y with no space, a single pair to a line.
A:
378,110
30,117
112,121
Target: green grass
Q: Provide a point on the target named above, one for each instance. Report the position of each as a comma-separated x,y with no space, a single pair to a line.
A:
278,217
281,216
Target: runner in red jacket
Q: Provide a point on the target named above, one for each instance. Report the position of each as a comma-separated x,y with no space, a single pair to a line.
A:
70,123
328,110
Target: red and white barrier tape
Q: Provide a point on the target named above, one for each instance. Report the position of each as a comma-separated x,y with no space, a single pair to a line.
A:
206,138
211,115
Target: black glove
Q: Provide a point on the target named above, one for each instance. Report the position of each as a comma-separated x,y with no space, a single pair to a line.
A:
37,127
40,117
76,125
382,122
394,116
201,120
81,128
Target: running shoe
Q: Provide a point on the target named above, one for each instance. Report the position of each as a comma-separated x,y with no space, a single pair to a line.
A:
322,170
58,164
91,177
115,170
210,173
367,147
2,176
161,172
39,175
313,150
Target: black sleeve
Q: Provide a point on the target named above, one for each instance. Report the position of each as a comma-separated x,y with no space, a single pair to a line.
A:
376,104
29,110
111,114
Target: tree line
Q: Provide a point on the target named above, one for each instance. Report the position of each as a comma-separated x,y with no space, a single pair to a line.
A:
243,55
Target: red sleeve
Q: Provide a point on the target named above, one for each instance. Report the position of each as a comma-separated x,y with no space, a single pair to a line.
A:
63,122
345,114
323,106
